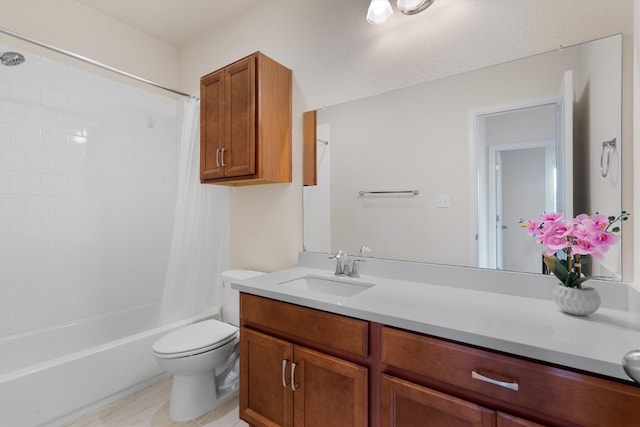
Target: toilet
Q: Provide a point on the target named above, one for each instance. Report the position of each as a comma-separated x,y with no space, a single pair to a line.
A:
203,356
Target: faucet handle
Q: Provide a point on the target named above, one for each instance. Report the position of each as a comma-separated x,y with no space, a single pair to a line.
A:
354,267
364,250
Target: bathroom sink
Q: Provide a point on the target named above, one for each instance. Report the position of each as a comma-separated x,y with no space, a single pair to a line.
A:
337,287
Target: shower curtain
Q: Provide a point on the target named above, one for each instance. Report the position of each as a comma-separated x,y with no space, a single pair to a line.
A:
200,235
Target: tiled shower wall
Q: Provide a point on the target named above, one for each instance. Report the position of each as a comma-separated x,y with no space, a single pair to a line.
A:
87,193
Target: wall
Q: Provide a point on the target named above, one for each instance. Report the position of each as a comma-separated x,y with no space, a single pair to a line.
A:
76,28
87,193
337,56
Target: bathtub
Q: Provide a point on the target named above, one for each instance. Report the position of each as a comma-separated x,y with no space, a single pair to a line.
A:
48,375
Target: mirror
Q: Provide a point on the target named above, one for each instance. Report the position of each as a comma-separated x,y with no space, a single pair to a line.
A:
409,172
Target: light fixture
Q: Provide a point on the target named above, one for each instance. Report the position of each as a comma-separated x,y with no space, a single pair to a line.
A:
379,11
411,7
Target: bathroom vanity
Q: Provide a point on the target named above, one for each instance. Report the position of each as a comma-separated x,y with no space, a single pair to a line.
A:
407,353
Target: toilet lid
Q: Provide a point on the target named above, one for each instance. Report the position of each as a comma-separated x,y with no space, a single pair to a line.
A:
195,338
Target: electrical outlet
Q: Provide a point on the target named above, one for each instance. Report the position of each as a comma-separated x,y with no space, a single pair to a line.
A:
442,201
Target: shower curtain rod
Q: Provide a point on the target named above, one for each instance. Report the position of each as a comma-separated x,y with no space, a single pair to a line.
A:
91,61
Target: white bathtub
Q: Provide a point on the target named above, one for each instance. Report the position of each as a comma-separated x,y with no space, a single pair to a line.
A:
50,373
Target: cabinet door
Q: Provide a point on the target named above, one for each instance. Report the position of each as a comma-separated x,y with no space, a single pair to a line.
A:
405,404
211,125
266,397
330,391
239,156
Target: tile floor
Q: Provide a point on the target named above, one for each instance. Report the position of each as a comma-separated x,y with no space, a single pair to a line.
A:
150,408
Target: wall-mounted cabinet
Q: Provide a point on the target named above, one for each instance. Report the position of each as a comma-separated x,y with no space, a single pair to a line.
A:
245,123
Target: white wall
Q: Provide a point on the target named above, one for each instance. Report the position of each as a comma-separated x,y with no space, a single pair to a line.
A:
337,56
79,29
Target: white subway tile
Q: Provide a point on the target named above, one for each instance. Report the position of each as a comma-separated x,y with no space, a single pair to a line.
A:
55,142
25,228
26,183
69,123
69,80
40,73
68,165
41,118
68,206
26,138
55,99
41,205
5,132
81,106
5,182
25,92
12,205
55,185
55,227
39,161
13,159
13,113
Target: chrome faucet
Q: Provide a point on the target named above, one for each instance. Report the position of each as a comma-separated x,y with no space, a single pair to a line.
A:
342,261
343,267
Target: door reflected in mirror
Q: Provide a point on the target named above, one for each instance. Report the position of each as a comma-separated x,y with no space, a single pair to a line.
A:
447,139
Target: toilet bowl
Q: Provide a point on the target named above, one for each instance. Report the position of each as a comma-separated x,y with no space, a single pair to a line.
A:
203,357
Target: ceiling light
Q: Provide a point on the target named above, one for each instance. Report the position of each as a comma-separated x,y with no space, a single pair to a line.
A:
379,11
410,7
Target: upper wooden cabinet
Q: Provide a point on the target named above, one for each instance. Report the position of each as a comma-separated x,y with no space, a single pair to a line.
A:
245,123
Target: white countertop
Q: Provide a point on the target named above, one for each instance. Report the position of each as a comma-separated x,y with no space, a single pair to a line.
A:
523,326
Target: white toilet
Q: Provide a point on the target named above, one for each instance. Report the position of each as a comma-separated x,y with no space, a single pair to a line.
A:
203,357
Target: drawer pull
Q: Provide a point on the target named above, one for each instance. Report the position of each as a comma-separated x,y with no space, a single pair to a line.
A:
510,385
285,383
294,386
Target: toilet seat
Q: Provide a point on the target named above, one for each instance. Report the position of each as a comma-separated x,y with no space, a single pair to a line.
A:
195,339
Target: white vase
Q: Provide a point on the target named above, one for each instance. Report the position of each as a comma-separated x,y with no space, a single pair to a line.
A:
579,302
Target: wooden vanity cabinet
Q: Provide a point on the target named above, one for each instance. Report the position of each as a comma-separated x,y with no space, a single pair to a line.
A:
286,383
509,385
245,123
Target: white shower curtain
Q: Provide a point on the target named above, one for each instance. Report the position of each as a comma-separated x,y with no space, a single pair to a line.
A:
200,233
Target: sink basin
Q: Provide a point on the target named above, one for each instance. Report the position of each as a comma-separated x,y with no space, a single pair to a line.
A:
338,287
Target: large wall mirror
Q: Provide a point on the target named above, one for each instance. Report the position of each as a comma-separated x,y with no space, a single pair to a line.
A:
443,171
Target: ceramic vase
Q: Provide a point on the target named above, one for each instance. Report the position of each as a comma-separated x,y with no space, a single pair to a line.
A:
579,302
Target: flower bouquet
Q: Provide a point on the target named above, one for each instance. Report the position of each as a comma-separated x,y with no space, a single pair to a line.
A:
567,242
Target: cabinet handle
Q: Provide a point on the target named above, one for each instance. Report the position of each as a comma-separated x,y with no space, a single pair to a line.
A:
222,158
510,385
294,386
285,383
218,158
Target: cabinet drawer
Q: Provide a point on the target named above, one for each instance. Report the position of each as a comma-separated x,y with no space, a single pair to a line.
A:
305,324
562,394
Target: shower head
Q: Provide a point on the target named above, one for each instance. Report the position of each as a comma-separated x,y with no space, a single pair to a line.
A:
11,58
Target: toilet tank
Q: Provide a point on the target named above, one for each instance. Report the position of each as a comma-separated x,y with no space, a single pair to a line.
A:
231,297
